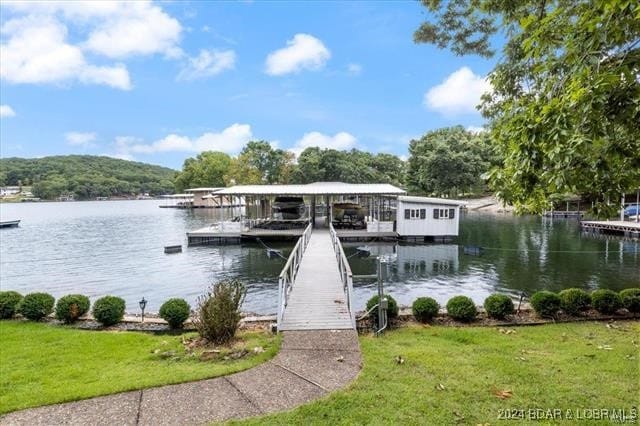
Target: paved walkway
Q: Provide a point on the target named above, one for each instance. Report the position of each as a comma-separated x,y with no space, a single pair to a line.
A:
317,300
309,365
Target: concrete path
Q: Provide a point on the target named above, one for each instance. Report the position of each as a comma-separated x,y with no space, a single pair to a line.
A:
309,365
317,300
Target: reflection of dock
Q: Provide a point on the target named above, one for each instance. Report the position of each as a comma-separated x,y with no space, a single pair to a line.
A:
628,229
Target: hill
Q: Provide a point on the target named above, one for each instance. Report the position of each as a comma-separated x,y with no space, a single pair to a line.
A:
85,176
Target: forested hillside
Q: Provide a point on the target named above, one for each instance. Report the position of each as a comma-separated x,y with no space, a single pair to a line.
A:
85,176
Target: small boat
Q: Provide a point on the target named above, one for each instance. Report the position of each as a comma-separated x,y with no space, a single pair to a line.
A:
173,249
9,223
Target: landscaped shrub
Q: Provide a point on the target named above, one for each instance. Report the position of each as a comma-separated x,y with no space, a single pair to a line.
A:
109,310
425,308
175,312
574,300
631,299
606,301
71,307
36,306
546,303
9,301
498,306
218,313
392,308
461,308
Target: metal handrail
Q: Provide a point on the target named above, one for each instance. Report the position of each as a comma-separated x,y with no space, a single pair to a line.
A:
345,271
289,272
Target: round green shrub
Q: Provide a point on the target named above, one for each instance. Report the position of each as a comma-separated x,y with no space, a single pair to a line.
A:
71,307
631,299
461,308
392,310
546,303
109,310
606,301
574,300
498,306
425,308
36,306
9,301
175,312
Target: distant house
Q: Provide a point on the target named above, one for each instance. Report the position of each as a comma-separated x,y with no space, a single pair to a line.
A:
207,198
420,217
7,191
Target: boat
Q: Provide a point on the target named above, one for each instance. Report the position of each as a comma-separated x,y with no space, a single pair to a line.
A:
9,223
288,208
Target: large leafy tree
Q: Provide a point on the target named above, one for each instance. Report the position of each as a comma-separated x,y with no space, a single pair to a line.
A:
205,170
272,164
564,112
448,161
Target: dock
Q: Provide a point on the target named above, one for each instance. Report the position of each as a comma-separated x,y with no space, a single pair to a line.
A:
617,227
9,223
317,298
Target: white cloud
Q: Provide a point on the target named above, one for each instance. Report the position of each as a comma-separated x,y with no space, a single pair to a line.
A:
354,69
458,94
230,140
304,51
476,129
47,41
340,141
208,63
84,139
6,111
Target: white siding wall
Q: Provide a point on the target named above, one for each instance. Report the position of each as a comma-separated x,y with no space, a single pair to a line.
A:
427,226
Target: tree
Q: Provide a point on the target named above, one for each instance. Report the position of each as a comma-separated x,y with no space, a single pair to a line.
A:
206,170
448,161
564,110
274,165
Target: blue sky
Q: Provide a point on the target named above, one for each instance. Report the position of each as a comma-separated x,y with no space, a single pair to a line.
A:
159,82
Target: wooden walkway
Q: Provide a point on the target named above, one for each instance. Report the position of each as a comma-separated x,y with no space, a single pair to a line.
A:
317,300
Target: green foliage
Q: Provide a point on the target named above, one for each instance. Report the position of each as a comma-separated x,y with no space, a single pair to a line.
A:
175,312
546,303
574,300
564,107
329,165
109,310
498,306
631,299
71,307
449,161
9,302
425,308
392,308
36,306
462,308
87,176
606,301
206,170
218,312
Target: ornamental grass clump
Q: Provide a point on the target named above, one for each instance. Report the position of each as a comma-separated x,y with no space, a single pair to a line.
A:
71,307
218,313
631,299
462,308
9,301
36,306
606,301
546,303
109,310
498,306
425,309
175,312
574,300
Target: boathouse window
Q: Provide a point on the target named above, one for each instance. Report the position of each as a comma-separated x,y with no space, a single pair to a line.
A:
423,213
444,213
415,214
407,213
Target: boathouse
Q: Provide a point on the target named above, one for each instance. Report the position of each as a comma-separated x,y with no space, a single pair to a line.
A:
355,211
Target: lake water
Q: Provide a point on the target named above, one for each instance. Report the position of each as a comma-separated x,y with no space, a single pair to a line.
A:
116,247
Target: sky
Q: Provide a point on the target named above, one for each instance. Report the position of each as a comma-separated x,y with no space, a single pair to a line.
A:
159,82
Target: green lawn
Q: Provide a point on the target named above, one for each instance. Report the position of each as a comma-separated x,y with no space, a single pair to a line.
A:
44,364
452,375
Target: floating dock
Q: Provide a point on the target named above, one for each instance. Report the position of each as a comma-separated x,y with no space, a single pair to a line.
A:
9,224
564,214
616,227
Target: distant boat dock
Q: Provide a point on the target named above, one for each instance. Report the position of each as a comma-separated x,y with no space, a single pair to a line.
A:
616,227
9,223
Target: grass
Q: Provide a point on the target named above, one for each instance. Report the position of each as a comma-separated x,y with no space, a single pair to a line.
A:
42,364
455,376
